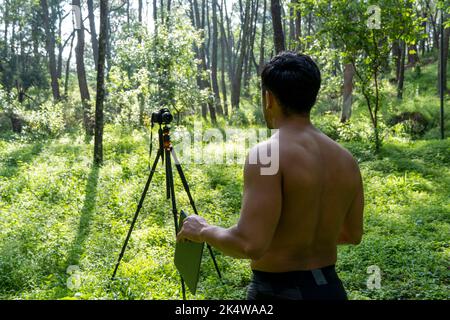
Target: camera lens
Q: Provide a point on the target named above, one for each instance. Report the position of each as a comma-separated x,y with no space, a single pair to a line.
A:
167,117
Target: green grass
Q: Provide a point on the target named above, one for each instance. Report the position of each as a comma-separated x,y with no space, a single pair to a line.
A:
57,210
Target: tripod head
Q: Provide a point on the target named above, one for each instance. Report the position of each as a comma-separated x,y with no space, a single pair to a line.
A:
162,116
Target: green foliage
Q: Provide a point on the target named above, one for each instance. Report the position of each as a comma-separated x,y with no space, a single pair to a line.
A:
348,26
154,70
57,210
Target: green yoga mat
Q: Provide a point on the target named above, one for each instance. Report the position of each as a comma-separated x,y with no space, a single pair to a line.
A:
188,257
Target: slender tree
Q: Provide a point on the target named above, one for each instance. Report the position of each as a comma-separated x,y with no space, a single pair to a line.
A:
214,82
263,33
349,72
81,74
278,35
98,138
93,31
223,47
401,74
236,84
50,45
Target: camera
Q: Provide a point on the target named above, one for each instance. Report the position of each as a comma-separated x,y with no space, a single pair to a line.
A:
162,116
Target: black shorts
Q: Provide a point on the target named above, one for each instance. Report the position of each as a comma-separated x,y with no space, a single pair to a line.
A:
317,284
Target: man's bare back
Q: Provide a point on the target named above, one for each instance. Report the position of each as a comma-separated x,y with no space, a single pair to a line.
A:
320,180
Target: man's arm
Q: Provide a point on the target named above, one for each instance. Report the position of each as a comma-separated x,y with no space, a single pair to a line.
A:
260,212
352,229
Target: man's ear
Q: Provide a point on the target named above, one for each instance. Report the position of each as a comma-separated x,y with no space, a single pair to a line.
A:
269,100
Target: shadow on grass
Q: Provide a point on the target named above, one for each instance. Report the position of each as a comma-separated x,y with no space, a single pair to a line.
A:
85,219
10,162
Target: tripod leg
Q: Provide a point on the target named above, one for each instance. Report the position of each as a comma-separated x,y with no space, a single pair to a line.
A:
171,191
191,200
183,288
141,201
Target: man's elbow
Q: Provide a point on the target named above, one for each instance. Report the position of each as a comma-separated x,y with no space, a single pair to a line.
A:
354,238
254,252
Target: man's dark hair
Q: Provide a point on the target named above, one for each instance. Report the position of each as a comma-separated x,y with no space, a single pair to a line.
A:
294,79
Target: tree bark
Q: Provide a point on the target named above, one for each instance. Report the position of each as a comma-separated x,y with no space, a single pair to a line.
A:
298,25
215,84
291,26
201,54
263,33
236,85
98,139
445,61
224,47
349,72
60,46
250,55
397,57
50,44
278,35
66,79
81,74
94,40
413,56
401,76
140,8
6,21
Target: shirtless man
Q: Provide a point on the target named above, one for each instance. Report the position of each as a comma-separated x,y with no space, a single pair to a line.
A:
291,222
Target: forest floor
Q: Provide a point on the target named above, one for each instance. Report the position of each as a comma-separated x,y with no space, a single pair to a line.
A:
63,222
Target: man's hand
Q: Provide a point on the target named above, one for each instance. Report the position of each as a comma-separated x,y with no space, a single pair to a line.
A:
192,228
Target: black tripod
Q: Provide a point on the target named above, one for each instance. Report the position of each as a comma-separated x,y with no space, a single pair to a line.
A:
165,151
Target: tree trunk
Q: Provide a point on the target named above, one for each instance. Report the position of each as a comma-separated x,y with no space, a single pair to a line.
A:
250,55
401,76
94,40
230,45
6,21
60,46
298,26
50,43
201,55
224,87
291,26
446,47
81,73
140,8
66,80
397,57
308,31
349,72
224,47
215,84
413,56
236,84
278,36
98,139
445,61
263,32
128,12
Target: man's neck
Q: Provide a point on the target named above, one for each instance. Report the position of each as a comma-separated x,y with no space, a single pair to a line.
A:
297,122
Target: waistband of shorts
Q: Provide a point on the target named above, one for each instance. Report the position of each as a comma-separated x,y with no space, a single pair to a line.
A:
318,276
